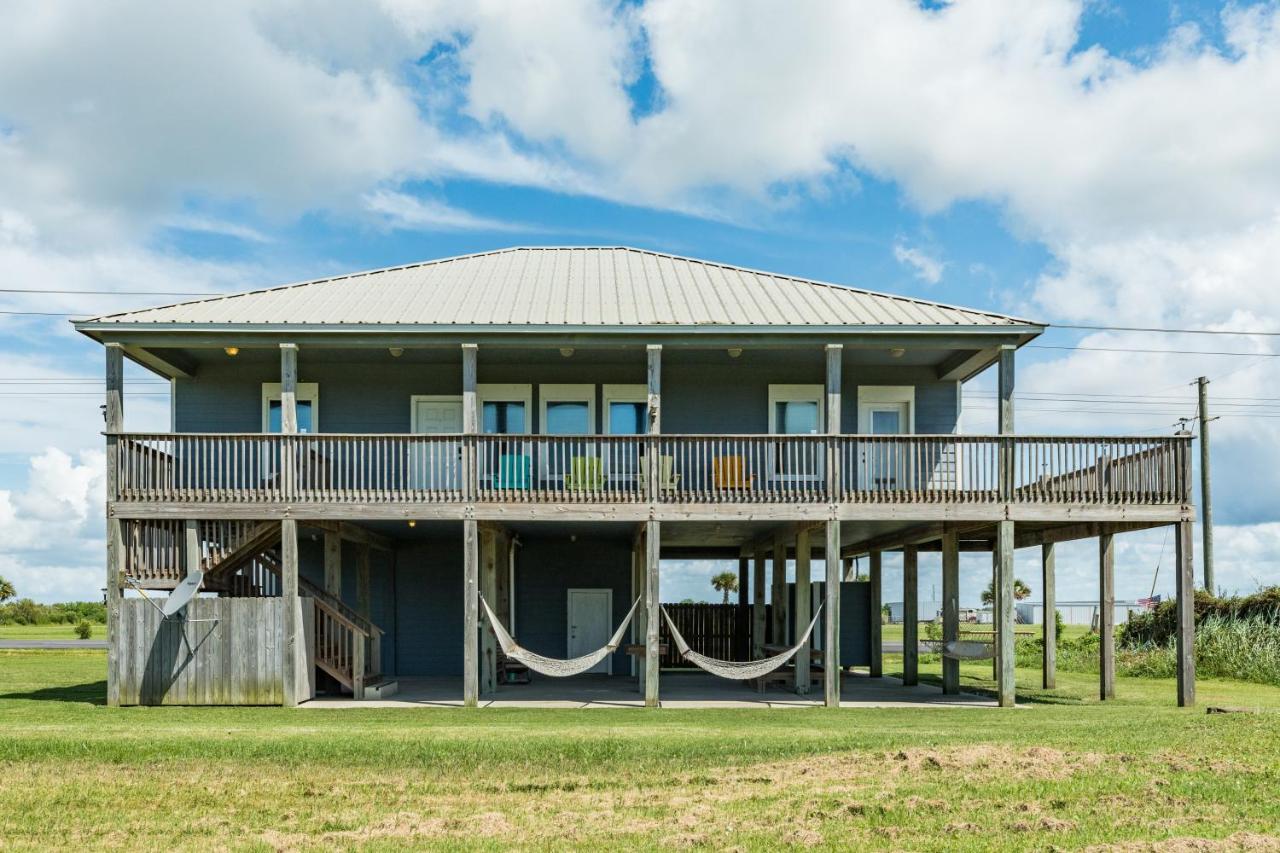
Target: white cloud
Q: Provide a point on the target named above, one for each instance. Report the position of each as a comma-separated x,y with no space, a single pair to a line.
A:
409,213
926,269
51,541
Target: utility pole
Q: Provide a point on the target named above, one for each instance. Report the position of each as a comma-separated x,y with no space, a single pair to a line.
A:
1206,501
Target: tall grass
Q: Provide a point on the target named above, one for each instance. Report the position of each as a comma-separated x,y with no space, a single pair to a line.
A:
1243,649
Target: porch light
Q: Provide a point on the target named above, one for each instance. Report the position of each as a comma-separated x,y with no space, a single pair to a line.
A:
735,352
231,351
413,523
396,352
897,352
567,352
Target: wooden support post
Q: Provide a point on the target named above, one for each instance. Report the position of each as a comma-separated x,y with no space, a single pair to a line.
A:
831,641
875,575
950,607
114,414
995,612
835,352
1005,418
742,624
653,453
363,597
489,589
333,563
639,586
1005,690
910,616
1106,615
652,660
804,596
1186,642
470,613
758,605
470,420
1050,626
288,417
778,594
290,602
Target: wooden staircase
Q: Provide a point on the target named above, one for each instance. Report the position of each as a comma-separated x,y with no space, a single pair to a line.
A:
242,559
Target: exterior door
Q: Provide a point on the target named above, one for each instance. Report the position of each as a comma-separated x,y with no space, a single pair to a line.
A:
590,624
882,464
437,465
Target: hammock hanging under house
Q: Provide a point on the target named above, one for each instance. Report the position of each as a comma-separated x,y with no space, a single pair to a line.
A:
964,649
555,667
738,670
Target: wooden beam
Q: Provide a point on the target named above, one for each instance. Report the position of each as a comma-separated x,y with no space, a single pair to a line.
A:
114,414
291,648
804,596
1005,684
489,589
758,609
470,613
835,353
1186,604
1106,616
353,533
831,641
910,617
172,365
289,388
1028,538
364,601
965,364
1004,410
333,563
652,660
950,608
876,576
778,593
1048,578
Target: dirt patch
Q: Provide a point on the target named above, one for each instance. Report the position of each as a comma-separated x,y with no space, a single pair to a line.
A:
1250,841
1037,762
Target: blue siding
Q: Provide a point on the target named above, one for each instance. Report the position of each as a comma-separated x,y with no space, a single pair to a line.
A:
428,607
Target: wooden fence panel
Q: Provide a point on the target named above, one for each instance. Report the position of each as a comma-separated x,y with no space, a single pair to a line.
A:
710,629
226,651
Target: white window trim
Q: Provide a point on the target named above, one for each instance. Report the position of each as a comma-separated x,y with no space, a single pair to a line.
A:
415,399
306,391
576,393
622,394
797,393
505,393
870,395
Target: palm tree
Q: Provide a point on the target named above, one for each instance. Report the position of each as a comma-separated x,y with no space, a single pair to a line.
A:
1020,591
726,582
6,591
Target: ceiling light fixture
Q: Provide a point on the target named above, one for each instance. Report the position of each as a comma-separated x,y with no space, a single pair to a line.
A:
735,352
396,352
413,523
231,351
898,352
567,352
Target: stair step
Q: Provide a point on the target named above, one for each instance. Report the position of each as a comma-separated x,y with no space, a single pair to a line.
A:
381,689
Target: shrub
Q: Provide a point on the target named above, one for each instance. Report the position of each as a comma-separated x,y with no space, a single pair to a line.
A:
84,630
1158,627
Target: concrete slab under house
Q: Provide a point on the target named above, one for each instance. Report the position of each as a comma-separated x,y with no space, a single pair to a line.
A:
441,481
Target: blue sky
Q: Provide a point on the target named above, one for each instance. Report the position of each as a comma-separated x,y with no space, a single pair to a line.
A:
1076,162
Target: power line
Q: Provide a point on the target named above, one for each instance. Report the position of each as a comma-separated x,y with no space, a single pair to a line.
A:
1162,351
1165,331
114,292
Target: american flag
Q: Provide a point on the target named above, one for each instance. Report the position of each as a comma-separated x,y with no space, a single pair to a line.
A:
1149,603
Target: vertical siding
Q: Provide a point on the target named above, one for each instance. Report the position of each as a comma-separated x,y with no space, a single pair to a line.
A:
548,567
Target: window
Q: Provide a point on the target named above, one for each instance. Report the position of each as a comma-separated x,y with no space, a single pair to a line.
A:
568,409
886,409
626,409
796,409
504,409
307,403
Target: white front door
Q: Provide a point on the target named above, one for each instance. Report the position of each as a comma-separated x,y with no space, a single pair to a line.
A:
437,465
590,624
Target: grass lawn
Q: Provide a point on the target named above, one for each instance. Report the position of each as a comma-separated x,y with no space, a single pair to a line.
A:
48,632
1066,771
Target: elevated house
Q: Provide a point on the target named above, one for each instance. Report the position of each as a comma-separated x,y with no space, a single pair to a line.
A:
354,461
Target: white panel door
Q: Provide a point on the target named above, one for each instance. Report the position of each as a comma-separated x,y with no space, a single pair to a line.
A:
590,624
437,466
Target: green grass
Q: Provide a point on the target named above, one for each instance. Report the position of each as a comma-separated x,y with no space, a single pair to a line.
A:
48,632
1065,771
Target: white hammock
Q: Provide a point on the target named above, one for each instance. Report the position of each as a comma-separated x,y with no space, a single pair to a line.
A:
738,670
555,667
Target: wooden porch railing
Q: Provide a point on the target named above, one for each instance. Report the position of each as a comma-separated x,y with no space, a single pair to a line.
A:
874,469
